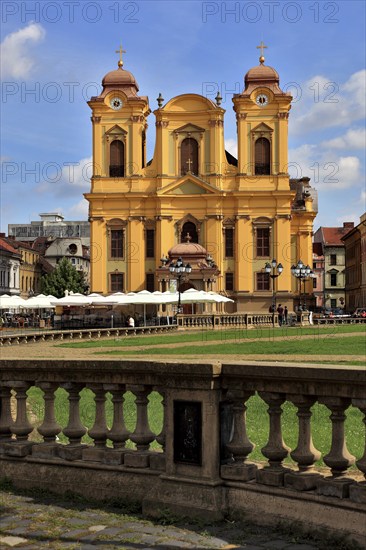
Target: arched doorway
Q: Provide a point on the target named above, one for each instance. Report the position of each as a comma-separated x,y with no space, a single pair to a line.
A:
190,229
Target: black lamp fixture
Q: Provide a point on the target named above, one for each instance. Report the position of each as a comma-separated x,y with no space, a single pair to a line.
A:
179,269
302,273
274,270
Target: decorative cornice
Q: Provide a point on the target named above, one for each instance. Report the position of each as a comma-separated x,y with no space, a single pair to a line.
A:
241,116
136,218
137,118
162,123
159,218
283,115
242,217
283,217
217,122
214,217
95,119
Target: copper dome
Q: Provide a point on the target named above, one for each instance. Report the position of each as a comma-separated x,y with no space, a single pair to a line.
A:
187,250
121,79
261,73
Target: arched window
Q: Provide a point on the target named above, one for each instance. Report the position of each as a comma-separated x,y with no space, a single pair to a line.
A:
262,157
191,229
189,156
117,159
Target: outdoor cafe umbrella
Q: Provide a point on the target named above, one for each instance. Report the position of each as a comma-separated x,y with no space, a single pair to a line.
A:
11,302
73,299
39,302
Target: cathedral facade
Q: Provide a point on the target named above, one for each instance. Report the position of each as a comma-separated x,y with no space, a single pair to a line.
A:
228,217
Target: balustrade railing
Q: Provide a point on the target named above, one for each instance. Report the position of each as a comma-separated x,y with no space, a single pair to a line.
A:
96,391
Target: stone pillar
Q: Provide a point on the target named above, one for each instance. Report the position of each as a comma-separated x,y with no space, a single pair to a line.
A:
21,427
305,453
240,445
118,433
338,459
49,427
157,460
275,450
142,435
99,430
357,492
6,420
74,429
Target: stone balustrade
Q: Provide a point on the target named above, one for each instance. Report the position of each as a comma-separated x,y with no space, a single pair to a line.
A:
198,461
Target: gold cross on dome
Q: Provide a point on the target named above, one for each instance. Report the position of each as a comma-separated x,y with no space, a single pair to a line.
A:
261,47
120,51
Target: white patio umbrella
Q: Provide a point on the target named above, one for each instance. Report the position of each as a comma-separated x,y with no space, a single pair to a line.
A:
100,300
76,299
219,298
39,302
11,302
193,296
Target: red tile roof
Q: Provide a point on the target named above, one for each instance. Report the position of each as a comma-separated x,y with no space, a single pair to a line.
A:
333,235
7,247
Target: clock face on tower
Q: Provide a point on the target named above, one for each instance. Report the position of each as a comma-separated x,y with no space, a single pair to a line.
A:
116,103
261,100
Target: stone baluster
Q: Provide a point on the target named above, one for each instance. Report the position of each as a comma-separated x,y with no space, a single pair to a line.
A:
142,435
6,420
21,427
240,445
358,492
74,430
338,459
98,432
49,427
305,453
157,459
275,450
118,433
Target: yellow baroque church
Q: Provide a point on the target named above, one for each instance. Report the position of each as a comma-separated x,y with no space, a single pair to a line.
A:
224,216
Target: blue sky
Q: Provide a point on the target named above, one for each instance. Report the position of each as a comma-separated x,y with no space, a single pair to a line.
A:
55,54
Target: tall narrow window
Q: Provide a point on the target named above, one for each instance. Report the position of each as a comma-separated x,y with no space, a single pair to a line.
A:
116,282
229,281
262,281
333,259
150,243
150,282
262,244
262,157
116,243
333,279
190,229
189,156
117,159
229,242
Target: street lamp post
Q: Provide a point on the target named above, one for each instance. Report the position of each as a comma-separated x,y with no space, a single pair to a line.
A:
274,270
179,269
302,273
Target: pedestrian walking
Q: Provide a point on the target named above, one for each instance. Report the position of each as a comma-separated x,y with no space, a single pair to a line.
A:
280,314
285,315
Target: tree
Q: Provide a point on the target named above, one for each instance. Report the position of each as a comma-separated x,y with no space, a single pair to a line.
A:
64,277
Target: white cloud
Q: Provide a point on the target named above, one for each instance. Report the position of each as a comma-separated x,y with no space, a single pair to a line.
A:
232,146
352,139
326,170
79,211
70,179
326,104
17,60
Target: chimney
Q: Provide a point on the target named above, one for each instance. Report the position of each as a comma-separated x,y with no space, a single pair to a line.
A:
348,225
2,234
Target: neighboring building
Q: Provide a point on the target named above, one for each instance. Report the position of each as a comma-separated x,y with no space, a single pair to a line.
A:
334,262
318,270
241,212
51,225
30,271
10,260
355,253
73,249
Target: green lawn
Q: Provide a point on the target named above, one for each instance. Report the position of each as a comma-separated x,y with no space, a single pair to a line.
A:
267,333
257,420
335,345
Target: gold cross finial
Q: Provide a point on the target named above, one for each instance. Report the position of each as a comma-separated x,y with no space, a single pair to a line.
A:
120,51
261,47
189,162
